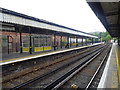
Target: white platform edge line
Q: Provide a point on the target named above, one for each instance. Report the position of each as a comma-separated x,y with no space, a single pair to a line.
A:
56,52
102,83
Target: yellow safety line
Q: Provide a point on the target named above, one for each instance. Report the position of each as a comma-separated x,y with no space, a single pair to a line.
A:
114,78
118,66
3,61
22,57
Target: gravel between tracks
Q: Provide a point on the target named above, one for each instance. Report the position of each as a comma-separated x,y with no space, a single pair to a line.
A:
47,80
82,79
17,81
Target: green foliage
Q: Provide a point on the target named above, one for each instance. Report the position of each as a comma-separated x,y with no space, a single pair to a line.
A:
105,36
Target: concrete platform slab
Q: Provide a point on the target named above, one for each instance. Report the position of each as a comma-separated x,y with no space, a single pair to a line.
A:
18,57
111,74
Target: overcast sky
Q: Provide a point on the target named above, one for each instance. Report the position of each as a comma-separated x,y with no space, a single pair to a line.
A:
75,14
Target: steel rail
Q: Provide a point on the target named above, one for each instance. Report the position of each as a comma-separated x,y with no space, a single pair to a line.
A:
60,81
98,69
57,61
50,64
51,72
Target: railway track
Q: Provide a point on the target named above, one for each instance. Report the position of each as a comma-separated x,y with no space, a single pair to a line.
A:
93,83
38,64
19,66
48,73
78,80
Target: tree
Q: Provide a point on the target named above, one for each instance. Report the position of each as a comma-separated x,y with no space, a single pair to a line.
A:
105,36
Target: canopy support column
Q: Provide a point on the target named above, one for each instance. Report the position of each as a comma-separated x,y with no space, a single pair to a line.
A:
21,50
82,41
67,45
70,41
86,41
92,41
54,42
30,47
61,41
76,42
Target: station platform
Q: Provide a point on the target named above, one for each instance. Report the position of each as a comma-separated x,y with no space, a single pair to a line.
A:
17,57
111,75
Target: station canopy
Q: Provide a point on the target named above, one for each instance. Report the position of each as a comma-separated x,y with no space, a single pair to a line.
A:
109,14
8,16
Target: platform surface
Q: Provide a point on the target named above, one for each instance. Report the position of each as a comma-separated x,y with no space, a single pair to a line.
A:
111,73
17,57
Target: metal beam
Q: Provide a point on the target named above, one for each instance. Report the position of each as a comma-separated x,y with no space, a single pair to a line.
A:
114,28
114,25
112,13
118,22
119,13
